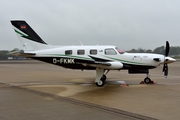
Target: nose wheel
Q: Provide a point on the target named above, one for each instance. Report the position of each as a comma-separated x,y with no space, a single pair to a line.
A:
147,80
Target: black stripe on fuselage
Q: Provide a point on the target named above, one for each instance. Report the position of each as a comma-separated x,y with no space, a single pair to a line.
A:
73,63
70,63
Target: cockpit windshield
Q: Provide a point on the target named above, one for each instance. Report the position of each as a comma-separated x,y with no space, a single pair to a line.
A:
120,51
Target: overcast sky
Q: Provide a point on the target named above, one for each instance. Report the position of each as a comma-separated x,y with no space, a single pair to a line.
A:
124,23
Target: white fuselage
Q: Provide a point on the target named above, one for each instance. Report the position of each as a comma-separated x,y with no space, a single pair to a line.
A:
137,59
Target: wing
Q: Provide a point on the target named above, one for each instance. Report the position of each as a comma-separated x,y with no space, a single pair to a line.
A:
104,64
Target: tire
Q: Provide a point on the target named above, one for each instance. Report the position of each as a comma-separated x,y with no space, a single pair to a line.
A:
103,78
147,80
100,83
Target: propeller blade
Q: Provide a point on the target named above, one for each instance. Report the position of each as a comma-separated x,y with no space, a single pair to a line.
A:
165,66
165,70
167,49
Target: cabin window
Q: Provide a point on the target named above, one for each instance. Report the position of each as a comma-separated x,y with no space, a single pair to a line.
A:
110,51
80,52
93,52
68,52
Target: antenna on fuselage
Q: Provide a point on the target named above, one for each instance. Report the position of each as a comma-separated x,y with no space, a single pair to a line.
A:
81,43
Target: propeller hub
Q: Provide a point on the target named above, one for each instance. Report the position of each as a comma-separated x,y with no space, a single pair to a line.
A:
169,60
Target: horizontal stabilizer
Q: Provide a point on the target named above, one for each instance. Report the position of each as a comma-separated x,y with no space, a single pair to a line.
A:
27,54
21,53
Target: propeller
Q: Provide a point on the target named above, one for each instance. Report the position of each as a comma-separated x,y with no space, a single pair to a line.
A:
165,66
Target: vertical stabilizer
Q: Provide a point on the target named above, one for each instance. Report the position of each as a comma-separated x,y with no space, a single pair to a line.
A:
28,37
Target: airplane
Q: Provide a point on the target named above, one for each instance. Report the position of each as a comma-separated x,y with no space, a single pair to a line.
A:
101,58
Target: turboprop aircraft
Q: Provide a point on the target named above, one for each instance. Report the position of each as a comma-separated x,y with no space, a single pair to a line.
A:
100,58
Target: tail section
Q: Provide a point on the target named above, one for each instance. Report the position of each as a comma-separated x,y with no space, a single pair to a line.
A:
29,39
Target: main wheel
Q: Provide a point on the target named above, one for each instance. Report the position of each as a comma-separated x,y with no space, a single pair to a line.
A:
147,80
103,78
100,83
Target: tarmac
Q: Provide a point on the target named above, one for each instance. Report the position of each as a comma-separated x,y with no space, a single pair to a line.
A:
36,90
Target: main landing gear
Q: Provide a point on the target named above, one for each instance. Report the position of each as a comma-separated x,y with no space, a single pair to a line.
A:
101,82
100,77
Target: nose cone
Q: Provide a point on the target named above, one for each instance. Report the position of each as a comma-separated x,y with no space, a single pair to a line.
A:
169,60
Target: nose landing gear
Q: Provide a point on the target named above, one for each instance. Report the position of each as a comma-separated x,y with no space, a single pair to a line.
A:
147,80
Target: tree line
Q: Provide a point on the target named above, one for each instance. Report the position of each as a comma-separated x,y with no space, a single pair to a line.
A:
4,55
174,50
